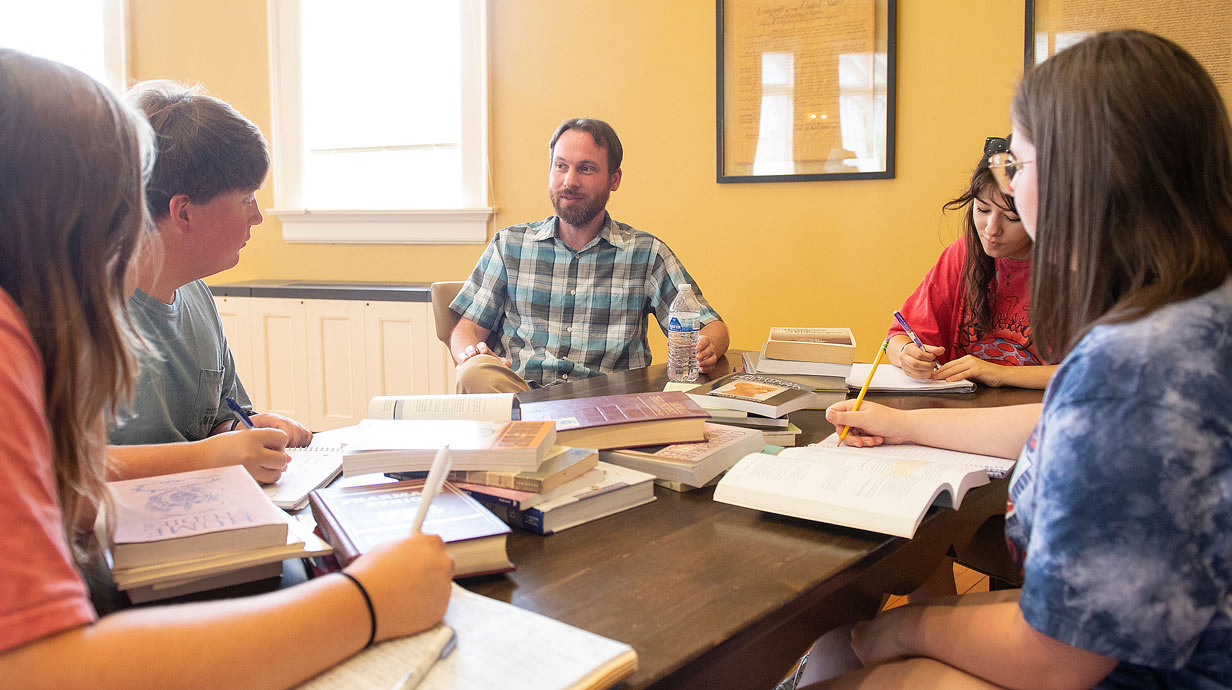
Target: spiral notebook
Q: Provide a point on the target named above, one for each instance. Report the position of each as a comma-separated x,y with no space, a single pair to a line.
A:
310,468
891,379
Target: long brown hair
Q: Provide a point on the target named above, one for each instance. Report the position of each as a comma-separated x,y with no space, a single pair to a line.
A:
72,215
979,269
1134,156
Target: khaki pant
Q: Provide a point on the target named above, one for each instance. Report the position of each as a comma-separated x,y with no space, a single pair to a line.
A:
486,374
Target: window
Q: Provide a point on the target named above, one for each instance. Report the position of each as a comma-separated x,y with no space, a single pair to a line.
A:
86,34
380,127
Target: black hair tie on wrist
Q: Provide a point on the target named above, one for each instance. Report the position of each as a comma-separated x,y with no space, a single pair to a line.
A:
368,601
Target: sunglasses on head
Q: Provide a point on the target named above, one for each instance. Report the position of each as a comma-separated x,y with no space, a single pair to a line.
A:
995,145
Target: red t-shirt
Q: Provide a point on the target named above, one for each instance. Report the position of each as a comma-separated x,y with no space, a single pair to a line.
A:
935,312
41,592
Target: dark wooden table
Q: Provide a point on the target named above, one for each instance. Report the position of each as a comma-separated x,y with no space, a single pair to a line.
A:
716,596
713,595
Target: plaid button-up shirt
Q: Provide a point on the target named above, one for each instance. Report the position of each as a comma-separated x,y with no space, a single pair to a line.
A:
564,314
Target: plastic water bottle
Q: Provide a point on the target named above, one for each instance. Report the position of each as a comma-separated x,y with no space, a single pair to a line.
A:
683,325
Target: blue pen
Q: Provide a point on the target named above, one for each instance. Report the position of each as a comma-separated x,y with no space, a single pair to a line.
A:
911,334
239,412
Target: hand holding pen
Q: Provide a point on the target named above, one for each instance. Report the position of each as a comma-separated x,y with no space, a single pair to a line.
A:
915,339
261,451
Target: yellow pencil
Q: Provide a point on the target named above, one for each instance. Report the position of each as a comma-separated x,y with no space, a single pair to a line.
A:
864,390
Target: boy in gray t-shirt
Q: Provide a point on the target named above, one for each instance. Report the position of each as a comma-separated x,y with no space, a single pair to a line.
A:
201,196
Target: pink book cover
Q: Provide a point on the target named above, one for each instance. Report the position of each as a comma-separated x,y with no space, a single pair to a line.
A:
191,503
582,413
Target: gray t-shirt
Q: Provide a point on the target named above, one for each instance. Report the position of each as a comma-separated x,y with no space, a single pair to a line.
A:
180,392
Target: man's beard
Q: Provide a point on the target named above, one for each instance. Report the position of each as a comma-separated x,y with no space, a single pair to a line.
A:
578,215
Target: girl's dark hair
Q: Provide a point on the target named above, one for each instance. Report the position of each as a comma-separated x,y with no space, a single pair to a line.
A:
979,270
1134,167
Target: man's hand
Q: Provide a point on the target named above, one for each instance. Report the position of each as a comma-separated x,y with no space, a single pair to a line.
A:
482,348
297,434
707,357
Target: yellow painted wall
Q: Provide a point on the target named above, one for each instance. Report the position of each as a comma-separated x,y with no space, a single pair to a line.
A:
780,254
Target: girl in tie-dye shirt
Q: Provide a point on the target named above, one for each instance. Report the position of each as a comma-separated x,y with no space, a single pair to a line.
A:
1121,502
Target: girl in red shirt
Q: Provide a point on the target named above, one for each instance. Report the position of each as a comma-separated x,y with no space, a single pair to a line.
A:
971,309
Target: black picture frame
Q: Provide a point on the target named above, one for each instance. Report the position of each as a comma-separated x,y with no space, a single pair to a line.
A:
886,172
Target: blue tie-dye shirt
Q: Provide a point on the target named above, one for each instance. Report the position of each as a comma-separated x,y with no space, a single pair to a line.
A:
1122,498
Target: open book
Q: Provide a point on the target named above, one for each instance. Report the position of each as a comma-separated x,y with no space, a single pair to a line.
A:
891,379
852,487
498,646
493,407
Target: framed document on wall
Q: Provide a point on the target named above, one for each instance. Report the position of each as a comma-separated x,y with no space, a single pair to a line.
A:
805,89
1204,29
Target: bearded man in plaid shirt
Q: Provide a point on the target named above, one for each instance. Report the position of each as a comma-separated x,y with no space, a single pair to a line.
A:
567,297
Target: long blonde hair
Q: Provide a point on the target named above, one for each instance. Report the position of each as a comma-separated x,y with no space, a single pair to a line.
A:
73,158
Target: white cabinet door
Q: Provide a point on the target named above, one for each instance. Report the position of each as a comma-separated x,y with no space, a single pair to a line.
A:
337,376
399,337
236,313
280,358
319,362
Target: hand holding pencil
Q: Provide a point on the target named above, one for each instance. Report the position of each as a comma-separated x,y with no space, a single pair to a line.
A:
842,436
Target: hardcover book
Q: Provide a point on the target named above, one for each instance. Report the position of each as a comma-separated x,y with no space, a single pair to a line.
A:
354,519
176,517
850,486
771,365
821,345
564,464
693,464
408,445
819,384
620,490
764,395
525,500
622,421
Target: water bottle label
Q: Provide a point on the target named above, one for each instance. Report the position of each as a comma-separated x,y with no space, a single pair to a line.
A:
674,324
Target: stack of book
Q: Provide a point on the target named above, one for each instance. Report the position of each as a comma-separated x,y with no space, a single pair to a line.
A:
761,401
606,490
808,352
536,501
511,467
193,531
687,466
408,445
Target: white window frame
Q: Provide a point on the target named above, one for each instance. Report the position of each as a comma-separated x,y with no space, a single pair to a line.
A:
115,42
468,225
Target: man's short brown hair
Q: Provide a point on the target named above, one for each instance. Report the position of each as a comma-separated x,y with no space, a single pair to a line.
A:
603,134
